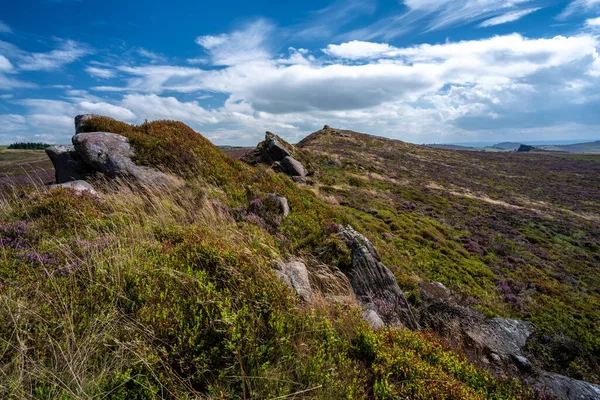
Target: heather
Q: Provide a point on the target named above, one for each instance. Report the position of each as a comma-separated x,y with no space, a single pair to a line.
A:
516,235
151,293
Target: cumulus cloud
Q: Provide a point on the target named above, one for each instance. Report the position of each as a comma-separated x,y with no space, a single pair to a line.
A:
421,93
593,23
154,107
508,17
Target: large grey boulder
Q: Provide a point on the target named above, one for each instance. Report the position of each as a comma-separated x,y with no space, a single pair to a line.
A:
79,187
373,283
111,154
293,167
68,165
273,150
295,275
105,152
280,202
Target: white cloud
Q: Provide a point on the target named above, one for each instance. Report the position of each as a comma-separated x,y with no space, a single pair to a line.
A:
508,17
102,73
67,52
4,28
5,65
102,108
239,46
578,7
12,123
153,107
593,23
356,50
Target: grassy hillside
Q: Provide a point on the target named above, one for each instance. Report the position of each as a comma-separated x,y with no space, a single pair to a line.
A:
517,235
16,162
140,293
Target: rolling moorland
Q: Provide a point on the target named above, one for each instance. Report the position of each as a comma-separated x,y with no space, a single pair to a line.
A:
153,292
588,147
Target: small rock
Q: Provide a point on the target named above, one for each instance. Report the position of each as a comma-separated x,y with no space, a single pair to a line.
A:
304,180
293,167
295,275
280,202
434,291
68,165
522,362
373,318
326,127
77,186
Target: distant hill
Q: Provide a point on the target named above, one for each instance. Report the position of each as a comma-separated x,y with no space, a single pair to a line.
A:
589,147
507,146
452,147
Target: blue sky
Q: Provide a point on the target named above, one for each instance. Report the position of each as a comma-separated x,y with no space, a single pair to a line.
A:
422,71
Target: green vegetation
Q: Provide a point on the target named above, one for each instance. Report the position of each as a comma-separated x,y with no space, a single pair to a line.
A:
515,235
13,162
28,146
142,294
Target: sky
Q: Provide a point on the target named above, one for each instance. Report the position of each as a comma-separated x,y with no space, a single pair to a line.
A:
422,71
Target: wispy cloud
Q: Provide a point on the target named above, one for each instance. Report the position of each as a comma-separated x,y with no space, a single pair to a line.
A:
508,17
67,52
327,21
247,44
578,7
4,28
102,73
153,57
434,15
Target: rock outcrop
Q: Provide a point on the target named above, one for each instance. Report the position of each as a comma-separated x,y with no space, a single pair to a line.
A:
563,387
273,149
103,153
495,343
68,165
374,284
277,153
295,275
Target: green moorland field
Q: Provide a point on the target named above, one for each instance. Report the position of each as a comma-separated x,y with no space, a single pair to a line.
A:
518,235
16,162
146,293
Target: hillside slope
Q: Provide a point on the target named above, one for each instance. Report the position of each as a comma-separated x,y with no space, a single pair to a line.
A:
516,235
153,292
